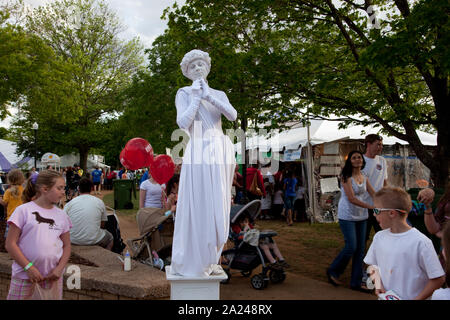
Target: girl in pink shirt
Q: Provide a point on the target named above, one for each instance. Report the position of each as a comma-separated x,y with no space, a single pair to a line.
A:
38,239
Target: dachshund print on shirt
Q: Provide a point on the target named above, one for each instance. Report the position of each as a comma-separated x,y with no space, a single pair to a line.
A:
40,219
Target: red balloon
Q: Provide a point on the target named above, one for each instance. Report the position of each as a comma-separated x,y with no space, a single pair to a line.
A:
123,160
138,153
162,168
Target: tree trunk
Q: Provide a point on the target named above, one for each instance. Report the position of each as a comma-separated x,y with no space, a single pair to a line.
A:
441,171
84,152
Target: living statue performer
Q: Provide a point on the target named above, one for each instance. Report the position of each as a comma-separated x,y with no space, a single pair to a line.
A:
204,195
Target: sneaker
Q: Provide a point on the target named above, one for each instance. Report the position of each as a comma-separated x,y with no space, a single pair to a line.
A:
275,266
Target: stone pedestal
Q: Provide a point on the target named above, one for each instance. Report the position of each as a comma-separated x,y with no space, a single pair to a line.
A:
195,288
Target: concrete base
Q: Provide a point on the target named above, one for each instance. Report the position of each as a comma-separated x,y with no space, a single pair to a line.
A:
195,288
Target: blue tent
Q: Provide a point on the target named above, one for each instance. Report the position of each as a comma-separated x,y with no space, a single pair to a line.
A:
5,165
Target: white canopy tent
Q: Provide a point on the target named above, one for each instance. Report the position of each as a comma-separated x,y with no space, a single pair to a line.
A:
322,131
51,159
291,141
8,149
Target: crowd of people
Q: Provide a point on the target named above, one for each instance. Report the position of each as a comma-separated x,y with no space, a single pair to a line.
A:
282,194
403,258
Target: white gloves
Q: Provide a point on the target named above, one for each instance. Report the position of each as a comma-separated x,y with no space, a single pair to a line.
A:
197,88
205,88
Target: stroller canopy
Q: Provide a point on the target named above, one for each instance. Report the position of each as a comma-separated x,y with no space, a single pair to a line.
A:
253,208
149,218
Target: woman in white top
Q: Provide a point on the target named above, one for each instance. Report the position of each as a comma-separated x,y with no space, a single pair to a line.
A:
352,214
151,194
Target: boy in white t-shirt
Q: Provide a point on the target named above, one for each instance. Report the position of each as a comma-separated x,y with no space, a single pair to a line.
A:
406,259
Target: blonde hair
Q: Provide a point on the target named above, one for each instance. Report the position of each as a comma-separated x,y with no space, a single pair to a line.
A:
15,179
394,198
46,178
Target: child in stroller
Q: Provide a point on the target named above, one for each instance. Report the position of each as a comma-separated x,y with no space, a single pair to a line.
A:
267,244
252,248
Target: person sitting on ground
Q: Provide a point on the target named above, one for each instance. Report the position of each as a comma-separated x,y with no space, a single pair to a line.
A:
242,225
88,216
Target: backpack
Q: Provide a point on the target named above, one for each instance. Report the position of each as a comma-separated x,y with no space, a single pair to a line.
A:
113,227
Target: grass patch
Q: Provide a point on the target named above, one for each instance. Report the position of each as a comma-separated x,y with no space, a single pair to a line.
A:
309,248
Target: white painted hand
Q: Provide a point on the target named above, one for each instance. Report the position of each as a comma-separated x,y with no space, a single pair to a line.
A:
197,88
205,89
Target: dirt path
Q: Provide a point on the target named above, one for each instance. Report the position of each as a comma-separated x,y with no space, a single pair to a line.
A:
295,287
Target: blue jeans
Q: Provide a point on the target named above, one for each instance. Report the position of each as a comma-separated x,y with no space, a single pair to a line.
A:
355,242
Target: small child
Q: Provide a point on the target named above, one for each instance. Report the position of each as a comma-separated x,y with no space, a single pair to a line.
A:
444,294
242,225
13,195
406,259
266,202
39,239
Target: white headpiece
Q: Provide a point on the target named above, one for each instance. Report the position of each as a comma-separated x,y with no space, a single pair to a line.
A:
194,55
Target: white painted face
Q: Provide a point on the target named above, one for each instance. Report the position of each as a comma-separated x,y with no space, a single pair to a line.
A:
197,69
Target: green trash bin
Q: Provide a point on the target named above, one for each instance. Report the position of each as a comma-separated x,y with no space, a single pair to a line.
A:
123,190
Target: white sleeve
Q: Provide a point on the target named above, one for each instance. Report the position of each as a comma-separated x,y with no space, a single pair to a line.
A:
429,261
104,214
224,105
143,185
370,258
186,112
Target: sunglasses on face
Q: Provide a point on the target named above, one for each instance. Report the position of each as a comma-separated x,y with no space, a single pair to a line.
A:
377,211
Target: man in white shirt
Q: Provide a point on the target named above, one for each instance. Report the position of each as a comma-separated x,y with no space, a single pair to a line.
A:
376,171
88,216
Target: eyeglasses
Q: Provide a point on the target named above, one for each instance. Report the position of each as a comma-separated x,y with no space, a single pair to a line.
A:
377,211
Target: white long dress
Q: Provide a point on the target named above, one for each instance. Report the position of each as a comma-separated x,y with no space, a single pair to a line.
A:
204,194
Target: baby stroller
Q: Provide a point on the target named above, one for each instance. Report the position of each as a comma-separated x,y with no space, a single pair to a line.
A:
245,257
156,230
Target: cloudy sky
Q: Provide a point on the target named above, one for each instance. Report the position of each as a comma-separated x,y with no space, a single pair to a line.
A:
142,18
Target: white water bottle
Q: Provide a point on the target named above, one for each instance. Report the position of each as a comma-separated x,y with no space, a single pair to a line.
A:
127,262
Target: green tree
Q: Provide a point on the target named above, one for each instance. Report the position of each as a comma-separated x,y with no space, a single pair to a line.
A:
3,133
79,95
322,58
23,57
151,99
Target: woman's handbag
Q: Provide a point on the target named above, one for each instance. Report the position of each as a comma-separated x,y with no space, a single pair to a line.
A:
254,189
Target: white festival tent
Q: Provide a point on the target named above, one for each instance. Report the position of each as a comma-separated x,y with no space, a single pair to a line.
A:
8,149
291,142
322,131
